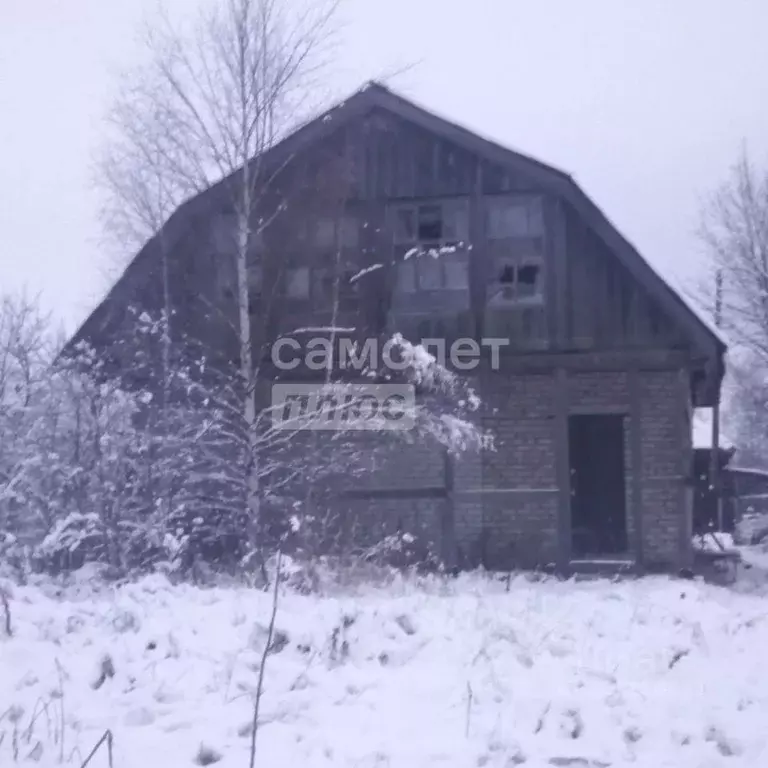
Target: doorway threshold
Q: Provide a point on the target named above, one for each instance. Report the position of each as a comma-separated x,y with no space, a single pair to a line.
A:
604,566
604,560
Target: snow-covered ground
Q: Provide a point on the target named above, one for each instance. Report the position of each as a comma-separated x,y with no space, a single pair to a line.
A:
654,673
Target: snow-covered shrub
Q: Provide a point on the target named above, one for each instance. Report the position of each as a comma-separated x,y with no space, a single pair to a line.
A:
72,542
404,552
14,558
116,459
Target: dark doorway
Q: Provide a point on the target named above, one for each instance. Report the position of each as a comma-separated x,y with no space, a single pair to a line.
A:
598,501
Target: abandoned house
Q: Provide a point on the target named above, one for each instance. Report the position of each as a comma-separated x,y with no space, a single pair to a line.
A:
591,404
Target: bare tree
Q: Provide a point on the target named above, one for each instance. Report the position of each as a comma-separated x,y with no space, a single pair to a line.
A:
734,230
24,354
210,103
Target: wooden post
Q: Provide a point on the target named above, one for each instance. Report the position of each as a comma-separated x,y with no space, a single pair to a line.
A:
448,532
636,452
557,279
686,470
478,256
714,465
563,471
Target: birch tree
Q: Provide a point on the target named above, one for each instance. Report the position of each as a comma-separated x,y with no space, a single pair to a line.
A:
205,110
212,100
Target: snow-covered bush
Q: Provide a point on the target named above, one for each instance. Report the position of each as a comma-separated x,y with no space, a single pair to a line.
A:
116,459
404,552
14,557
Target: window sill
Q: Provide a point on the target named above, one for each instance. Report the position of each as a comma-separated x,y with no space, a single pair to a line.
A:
522,303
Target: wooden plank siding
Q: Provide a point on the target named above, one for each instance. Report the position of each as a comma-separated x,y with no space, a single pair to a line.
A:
590,300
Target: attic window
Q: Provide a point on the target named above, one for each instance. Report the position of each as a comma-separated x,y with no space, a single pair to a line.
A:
438,223
517,282
528,280
438,272
333,232
510,217
430,223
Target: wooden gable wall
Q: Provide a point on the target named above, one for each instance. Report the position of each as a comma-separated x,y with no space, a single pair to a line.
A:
368,166
606,307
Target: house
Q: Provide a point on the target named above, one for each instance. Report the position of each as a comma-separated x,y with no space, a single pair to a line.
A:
740,505
592,398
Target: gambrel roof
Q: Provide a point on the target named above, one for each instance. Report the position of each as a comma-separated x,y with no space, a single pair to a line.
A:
703,337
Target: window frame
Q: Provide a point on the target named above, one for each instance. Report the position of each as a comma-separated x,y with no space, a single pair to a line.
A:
458,207
416,263
454,232
339,231
530,205
496,288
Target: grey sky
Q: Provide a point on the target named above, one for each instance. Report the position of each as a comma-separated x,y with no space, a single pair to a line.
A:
647,104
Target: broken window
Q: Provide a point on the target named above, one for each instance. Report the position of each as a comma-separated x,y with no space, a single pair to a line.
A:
430,222
528,280
517,281
441,222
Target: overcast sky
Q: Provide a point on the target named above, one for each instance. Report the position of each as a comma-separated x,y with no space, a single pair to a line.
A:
646,103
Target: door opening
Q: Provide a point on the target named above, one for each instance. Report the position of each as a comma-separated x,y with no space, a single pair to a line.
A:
598,499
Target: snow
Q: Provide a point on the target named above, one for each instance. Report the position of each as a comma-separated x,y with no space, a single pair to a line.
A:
750,471
364,272
693,306
323,329
716,541
702,430
654,672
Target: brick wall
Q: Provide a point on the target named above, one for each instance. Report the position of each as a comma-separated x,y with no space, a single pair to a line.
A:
406,466
366,521
667,460
506,501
